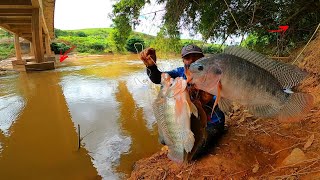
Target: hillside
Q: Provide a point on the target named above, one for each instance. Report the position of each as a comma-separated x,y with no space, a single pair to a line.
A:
100,41
255,148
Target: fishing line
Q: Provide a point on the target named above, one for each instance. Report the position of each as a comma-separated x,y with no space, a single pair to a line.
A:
137,48
306,44
142,48
141,82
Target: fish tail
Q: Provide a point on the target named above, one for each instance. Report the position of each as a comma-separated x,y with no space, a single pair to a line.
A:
189,141
297,106
175,154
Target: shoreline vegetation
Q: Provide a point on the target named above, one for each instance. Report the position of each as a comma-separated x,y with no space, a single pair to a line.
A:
100,41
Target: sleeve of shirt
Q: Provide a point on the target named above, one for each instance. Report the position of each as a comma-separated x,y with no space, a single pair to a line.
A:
154,74
179,72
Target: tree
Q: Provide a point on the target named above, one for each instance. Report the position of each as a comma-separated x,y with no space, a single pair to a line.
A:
124,12
218,19
135,44
164,43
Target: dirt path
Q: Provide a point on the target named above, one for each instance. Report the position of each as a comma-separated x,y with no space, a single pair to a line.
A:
255,148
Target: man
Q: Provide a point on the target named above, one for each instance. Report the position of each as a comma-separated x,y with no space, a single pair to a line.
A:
213,126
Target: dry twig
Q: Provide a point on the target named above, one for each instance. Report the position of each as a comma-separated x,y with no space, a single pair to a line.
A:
191,170
286,148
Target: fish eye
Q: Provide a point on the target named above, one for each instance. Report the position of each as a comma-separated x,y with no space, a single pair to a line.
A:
200,68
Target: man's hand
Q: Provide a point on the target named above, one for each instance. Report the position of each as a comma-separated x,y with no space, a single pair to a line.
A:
148,56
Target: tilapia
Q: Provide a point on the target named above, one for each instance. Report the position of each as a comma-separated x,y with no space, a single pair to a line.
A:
172,110
251,79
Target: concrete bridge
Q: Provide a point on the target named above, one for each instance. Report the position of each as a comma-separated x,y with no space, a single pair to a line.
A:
31,20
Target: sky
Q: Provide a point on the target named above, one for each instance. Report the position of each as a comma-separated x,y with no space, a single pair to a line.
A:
75,14
80,14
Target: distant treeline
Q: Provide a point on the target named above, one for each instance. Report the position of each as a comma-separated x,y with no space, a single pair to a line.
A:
101,40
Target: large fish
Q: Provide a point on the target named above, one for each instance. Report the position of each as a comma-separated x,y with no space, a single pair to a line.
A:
172,110
251,79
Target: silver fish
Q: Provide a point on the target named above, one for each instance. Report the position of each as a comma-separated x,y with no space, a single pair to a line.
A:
172,110
251,79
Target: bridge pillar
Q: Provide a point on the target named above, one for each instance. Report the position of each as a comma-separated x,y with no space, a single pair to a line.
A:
37,42
17,47
31,50
47,43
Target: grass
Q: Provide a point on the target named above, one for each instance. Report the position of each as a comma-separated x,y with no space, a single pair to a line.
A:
99,41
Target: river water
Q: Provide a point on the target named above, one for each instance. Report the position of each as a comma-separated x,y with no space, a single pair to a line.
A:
109,97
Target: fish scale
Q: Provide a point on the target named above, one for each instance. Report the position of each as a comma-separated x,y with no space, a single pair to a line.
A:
261,81
278,69
253,80
172,112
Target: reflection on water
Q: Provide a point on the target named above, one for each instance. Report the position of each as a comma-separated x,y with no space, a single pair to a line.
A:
10,107
144,142
92,105
109,97
11,103
42,141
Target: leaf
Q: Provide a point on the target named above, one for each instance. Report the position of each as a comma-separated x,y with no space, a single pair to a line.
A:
255,168
309,142
242,119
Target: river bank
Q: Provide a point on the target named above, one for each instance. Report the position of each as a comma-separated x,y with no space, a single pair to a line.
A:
255,148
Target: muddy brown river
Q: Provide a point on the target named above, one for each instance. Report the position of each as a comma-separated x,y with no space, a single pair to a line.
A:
109,97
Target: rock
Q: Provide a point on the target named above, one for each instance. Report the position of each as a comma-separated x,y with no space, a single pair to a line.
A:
296,156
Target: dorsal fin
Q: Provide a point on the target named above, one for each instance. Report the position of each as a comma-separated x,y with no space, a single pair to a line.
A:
288,75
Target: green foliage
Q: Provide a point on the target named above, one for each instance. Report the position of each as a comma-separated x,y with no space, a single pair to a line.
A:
59,32
124,12
81,34
164,44
258,43
206,48
59,47
119,36
6,50
135,44
216,20
212,49
101,40
94,41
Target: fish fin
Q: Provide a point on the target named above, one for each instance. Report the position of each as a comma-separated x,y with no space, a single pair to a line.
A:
297,106
194,109
225,105
264,110
287,74
188,141
188,74
176,154
161,137
217,98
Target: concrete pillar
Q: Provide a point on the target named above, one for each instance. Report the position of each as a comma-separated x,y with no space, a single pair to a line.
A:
17,47
48,48
37,41
31,49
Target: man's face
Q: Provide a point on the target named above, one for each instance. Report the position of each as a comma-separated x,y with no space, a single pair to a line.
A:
191,58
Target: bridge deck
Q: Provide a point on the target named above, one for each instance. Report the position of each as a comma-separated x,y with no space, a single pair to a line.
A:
27,19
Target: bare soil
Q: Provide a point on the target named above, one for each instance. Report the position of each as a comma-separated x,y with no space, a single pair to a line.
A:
255,148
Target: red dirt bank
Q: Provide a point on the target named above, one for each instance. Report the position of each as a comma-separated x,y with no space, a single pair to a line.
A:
255,148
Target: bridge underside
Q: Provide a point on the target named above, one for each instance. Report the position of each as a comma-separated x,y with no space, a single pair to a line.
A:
25,19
